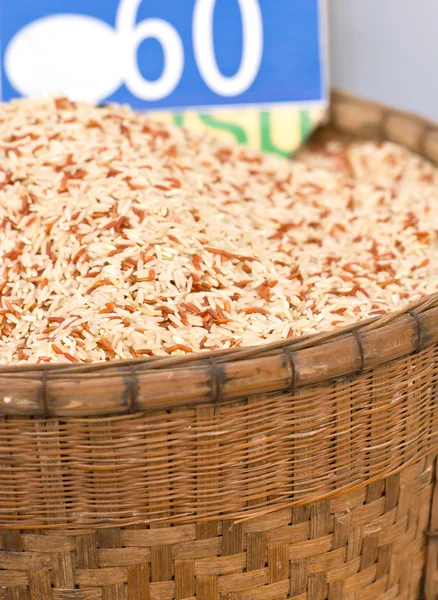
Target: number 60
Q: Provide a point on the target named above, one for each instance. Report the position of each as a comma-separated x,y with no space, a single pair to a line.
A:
133,34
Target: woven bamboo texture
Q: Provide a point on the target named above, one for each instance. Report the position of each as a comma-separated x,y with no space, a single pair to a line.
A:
301,470
367,543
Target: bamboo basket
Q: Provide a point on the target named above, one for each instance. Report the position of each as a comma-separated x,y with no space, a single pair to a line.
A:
302,471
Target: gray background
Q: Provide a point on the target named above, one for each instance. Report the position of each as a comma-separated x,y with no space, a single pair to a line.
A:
386,50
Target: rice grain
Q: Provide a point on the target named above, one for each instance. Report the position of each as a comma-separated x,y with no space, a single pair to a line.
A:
121,237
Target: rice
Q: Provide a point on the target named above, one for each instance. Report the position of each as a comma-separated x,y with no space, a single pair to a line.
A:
121,237
384,164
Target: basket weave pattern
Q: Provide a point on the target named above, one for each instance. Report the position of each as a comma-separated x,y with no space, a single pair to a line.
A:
368,539
303,469
233,459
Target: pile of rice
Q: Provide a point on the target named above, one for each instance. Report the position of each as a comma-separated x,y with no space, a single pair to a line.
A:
382,163
121,237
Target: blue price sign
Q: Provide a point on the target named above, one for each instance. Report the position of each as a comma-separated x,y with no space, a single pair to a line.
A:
167,54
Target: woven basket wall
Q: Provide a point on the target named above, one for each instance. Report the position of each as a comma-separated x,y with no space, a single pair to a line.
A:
303,471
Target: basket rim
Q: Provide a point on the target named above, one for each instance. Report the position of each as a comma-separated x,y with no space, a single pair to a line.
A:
118,387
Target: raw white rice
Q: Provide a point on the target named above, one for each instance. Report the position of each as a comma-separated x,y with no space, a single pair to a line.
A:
382,163
121,237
